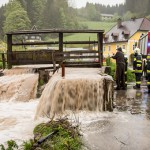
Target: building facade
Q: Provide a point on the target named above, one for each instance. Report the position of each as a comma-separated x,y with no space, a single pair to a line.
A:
106,17
126,35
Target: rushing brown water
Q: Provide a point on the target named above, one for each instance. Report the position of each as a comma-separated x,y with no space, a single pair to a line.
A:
80,89
18,85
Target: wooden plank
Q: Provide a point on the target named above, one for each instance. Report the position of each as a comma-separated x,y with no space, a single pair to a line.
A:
61,42
80,51
46,31
83,65
54,56
3,60
80,57
53,43
81,62
100,47
9,53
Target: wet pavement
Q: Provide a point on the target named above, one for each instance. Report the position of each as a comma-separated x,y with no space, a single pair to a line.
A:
127,128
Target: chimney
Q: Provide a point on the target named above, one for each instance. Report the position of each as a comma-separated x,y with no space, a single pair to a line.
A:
119,23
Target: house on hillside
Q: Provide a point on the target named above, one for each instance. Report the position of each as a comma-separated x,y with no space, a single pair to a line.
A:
125,34
106,17
33,37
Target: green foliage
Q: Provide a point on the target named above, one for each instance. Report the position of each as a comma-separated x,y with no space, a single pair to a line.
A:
115,17
148,17
2,147
27,145
140,7
12,6
41,82
16,17
92,13
66,138
17,20
98,25
11,145
128,15
112,65
130,76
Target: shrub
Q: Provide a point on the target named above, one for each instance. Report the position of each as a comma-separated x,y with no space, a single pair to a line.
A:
130,75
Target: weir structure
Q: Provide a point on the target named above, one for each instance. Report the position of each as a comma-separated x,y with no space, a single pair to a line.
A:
48,55
83,87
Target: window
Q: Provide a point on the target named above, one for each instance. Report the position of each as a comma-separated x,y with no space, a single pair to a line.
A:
32,37
133,47
104,49
123,47
117,46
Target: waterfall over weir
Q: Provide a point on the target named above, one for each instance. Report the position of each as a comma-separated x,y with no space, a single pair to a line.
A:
80,89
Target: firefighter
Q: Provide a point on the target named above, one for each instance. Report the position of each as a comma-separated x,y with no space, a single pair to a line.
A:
148,72
126,66
137,68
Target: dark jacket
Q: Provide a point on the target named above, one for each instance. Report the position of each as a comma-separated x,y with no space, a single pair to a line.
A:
119,56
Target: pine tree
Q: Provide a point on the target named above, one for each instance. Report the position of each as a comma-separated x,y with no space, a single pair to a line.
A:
16,17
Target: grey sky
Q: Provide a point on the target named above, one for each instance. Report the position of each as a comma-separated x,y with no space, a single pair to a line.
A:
82,3
2,2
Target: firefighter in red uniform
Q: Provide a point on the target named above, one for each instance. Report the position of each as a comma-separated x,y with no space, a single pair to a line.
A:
137,68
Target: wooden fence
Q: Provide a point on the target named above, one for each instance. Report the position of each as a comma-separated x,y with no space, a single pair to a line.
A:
71,58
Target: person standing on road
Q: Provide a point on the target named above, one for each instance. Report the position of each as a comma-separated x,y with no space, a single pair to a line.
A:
120,69
148,72
137,68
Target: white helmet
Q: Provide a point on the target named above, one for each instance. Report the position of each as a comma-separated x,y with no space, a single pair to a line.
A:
137,50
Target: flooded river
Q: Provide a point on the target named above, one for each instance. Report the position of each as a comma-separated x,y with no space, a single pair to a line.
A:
126,128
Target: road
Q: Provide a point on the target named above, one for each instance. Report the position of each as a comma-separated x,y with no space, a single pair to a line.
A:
127,128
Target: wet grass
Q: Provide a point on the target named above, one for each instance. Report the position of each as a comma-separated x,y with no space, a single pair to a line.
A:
53,135
66,136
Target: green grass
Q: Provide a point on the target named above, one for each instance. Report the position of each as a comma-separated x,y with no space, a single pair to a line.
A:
87,36
91,25
66,138
97,25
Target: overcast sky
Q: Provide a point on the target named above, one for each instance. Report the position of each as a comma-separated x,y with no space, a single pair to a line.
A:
82,3
2,2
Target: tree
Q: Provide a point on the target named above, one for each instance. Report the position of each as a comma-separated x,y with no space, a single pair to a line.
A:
2,19
128,15
17,20
37,9
16,17
115,17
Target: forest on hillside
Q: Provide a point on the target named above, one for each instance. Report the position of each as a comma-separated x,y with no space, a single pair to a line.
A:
23,14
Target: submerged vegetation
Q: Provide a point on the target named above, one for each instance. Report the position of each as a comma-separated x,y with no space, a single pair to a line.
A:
53,135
